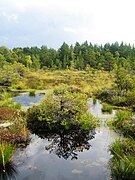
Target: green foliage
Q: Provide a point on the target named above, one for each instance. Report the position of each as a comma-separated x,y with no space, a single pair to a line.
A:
78,56
8,102
123,146
124,121
6,152
94,100
123,162
123,168
107,108
32,92
68,111
61,89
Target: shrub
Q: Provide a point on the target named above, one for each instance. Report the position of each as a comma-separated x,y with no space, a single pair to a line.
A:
60,90
62,112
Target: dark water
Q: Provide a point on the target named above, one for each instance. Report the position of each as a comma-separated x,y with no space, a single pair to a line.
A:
74,156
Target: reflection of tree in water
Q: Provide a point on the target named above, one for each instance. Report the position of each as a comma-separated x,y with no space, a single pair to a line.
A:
67,145
8,172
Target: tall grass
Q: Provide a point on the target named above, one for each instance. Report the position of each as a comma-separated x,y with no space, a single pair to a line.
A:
123,162
123,168
8,102
124,122
6,152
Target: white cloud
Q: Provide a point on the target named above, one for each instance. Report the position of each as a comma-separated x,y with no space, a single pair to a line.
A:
69,29
10,17
98,21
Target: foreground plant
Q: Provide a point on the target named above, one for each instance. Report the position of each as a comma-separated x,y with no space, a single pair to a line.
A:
6,152
123,162
123,168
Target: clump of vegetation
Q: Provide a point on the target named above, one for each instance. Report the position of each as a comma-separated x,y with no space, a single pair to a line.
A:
123,146
32,92
123,162
16,133
94,100
123,167
6,152
65,112
107,108
8,102
7,113
61,89
123,150
124,121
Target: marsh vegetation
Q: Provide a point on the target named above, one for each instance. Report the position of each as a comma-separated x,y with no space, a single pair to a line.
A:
61,89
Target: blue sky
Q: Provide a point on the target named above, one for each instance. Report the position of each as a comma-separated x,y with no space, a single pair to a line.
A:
51,22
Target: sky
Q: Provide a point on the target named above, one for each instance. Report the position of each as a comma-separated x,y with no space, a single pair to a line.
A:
26,23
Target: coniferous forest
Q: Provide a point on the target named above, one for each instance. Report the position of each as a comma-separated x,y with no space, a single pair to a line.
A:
80,56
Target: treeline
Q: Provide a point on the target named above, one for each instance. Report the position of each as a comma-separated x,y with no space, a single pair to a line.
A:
79,56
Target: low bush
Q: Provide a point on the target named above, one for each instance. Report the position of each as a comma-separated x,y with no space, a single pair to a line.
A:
68,111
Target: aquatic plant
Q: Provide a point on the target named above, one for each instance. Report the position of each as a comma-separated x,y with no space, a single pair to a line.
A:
107,108
124,122
123,146
94,100
123,162
6,152
8,101
123,168
32,92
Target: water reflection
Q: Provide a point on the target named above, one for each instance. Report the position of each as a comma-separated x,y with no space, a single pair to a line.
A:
8,172
66,145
